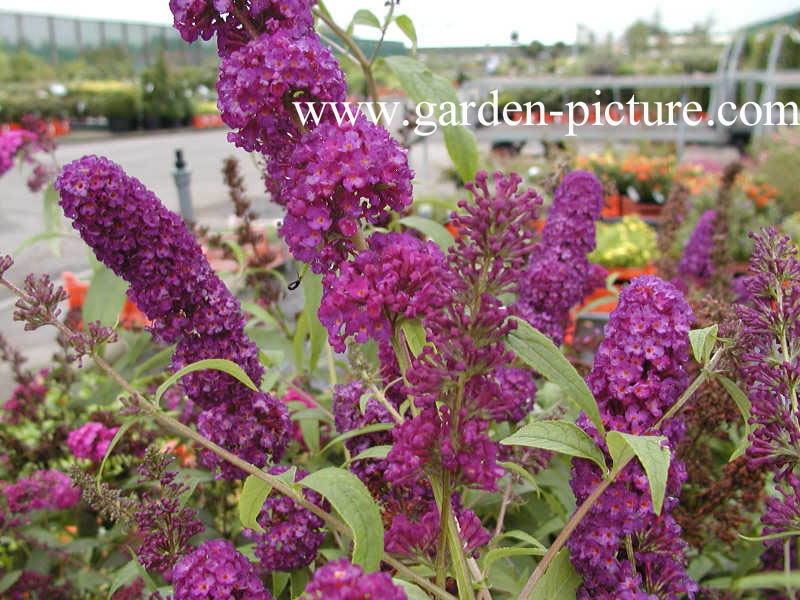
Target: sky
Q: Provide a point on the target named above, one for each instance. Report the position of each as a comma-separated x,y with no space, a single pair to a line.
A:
474,22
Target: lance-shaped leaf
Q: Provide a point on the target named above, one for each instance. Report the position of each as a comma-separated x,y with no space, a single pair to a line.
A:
352,500
558,436
537,351
651,452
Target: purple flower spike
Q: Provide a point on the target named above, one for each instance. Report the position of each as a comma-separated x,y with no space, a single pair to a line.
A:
91,441
333,177
258,85
395,278
559,274
638,374
171,281
696,264
217,570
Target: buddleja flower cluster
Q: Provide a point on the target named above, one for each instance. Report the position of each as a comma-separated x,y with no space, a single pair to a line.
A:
390,281
638,373
23,144
91,441
770,371
559,274
328,175
696,265
170,280
456,387
42,490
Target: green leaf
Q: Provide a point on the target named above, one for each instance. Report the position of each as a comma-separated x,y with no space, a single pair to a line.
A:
254,493
356,432
559,582
312,293
537,351
238,254
218,364
702,341
158,360
653,455
406,25
299,580
432,229
352,500
112,444
259,313
768,580
104,298
373,452
413,592
366,17
279,581
511,466
52,235
498,553
415,335
422,85
148,581
462,147
558,436
743,403
298,343
9,579
123,577
523,536
52,215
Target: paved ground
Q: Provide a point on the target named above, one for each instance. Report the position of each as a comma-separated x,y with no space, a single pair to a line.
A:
150,157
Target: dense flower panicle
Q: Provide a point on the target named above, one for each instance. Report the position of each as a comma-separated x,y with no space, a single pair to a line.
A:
204,18
769,366
293,534
451,429
259,83
395,278
416,531
770,361
517,390
32,584
216,570
11,143
172,283
48,490
696,264
334,176
90,441
640,368
495,222
577,204
558,274
638,374
341,580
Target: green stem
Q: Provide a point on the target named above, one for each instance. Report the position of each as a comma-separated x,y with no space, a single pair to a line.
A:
359,55
386,24
450,538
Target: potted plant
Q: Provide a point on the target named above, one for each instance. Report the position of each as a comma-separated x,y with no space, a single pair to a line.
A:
122,109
